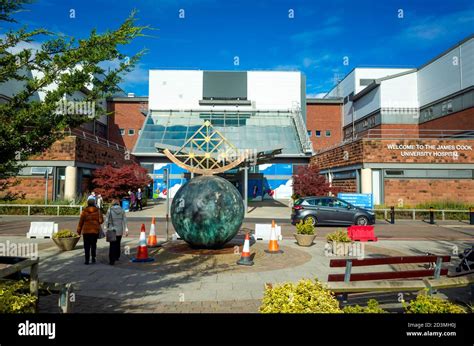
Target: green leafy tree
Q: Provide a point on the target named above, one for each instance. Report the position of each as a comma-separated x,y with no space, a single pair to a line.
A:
30,125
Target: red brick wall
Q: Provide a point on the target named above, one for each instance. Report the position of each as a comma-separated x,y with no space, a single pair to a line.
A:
90,152
64,149
346,185
366,150
126,115
415,191
463,120
33,187
324,117
344,155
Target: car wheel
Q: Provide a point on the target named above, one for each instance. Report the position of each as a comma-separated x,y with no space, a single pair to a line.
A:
313,219
362,221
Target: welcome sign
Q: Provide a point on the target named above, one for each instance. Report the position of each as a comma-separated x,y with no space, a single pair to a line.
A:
429,150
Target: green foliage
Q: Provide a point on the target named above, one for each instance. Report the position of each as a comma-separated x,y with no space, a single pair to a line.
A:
306,296
30,125
425,304
372,307
65,233
339,236
15,298
305,227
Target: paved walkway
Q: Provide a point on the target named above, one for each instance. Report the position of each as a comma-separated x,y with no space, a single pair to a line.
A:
194,285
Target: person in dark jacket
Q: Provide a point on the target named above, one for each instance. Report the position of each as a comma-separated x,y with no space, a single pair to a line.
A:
116,219
89,226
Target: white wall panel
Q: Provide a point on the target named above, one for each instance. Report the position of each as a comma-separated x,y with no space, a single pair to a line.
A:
440,78
274,90
400,92
467,64
367,104
172,89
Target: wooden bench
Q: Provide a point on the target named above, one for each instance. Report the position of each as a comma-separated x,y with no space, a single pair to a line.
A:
349,277
11,269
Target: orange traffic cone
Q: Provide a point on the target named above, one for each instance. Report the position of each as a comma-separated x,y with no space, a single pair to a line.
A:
152,242
245,259
142,251
273,246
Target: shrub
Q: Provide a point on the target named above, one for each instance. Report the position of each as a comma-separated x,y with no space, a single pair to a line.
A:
305,227
65,233
15,298
306,296
339,236
372,307
425,304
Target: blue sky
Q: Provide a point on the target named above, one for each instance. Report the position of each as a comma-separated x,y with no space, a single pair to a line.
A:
262,36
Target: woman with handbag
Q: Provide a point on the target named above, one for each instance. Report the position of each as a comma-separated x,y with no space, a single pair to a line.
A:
116,226
89,226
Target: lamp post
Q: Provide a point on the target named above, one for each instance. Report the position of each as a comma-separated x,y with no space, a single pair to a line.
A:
46,177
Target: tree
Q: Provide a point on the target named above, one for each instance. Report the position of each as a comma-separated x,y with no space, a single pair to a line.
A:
29,125
113,182
309,182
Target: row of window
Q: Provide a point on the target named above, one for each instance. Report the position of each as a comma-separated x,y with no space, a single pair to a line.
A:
131,132
317,133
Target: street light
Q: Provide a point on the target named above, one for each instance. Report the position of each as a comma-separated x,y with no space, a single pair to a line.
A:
46,177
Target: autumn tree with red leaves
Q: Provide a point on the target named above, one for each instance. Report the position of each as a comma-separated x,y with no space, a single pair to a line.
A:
309,182
113,182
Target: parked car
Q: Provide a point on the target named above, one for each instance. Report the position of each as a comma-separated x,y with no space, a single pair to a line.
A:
324,210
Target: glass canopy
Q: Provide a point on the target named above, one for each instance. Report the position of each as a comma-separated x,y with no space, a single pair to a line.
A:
259,131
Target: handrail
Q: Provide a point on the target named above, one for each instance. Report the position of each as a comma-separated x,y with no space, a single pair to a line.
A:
94,138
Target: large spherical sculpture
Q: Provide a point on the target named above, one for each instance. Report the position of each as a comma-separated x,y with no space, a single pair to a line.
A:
207,212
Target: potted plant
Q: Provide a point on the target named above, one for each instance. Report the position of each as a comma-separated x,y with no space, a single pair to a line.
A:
339,243
66,240
305,233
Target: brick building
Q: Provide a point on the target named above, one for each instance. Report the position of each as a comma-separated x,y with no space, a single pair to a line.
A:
126,119
324,122
70,163
408,134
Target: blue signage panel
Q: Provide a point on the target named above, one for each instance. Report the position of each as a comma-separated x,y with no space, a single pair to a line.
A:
363,200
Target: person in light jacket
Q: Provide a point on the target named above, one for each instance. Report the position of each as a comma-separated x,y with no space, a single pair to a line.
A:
116,219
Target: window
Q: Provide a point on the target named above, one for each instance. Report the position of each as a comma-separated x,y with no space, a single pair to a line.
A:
449,106
340,204
309,133
131,132
122,132
328,133
318,133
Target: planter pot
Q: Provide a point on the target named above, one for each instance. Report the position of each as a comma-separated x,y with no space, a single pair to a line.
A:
340,248
304,239
66,244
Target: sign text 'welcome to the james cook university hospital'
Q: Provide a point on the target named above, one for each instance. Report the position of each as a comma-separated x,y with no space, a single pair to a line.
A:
430,150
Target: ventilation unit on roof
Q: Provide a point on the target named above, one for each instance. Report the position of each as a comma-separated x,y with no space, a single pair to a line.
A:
131,95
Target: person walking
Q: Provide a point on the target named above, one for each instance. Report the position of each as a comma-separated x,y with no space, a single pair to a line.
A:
139,199
115,220
99,202
92,196
133,200
89,226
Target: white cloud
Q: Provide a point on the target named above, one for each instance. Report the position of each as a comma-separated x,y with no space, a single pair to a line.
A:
434,28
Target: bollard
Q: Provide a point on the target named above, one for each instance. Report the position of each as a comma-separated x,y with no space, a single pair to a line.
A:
431,216
471,216
392,215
